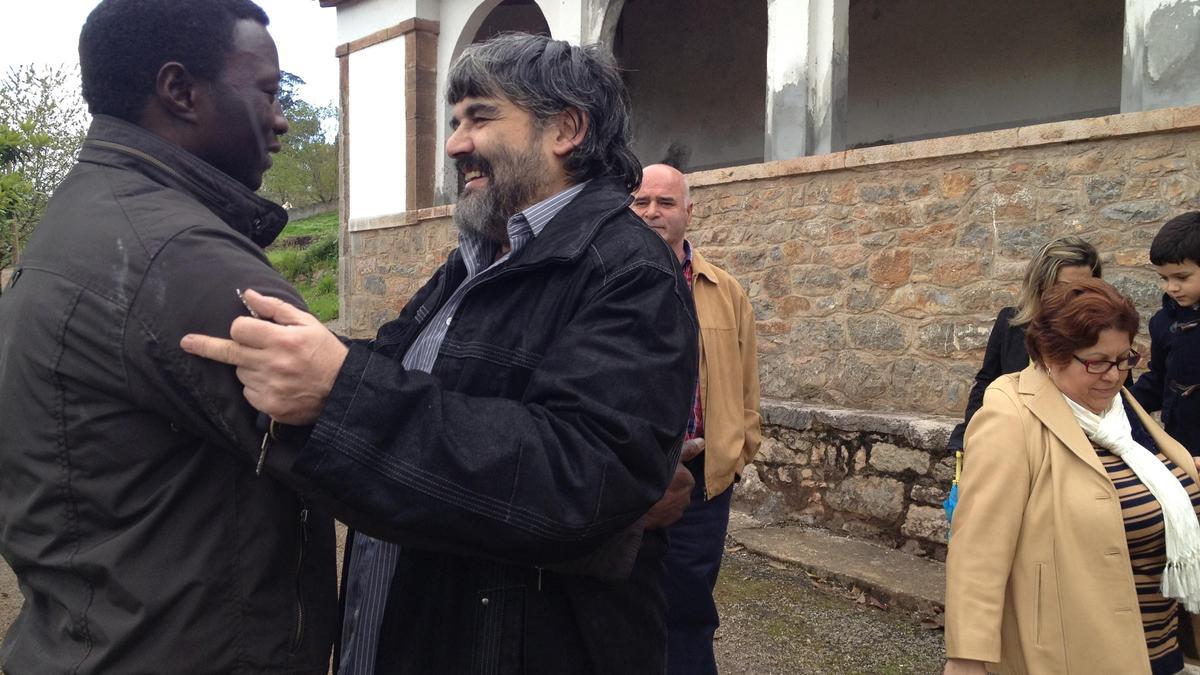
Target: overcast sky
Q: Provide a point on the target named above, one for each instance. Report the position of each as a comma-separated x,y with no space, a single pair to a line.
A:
47,32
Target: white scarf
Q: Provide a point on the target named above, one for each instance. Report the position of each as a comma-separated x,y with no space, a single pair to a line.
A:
1181,576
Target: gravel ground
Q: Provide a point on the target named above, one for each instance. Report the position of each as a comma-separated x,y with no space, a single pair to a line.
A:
774,619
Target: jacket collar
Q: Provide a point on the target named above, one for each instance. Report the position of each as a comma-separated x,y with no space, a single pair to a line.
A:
115,142
1046,402
567,235
703,268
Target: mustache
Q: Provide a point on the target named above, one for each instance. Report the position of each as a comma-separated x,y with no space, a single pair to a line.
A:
472,162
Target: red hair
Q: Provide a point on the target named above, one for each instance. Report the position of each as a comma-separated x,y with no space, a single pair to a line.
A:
1072,317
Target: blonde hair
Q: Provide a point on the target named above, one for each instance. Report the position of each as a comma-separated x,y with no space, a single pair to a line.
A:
1070,251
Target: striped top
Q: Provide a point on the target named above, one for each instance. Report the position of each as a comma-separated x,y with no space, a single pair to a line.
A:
1144,530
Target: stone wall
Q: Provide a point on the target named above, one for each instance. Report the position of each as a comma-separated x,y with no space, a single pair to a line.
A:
388,260
876,274
871,475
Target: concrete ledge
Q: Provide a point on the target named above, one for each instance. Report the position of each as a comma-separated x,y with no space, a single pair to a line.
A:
900,580
926,432
1088,129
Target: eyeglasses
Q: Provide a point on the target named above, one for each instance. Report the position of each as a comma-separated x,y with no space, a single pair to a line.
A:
1099,367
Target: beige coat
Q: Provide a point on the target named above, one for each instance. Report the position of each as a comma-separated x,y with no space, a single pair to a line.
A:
1038,577
728,374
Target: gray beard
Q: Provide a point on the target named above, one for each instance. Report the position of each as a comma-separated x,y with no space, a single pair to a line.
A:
486,214
480,216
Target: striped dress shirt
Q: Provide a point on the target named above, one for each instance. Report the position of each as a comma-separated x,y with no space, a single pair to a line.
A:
373,562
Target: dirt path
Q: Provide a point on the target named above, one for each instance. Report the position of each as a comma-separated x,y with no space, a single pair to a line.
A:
776,620
10,598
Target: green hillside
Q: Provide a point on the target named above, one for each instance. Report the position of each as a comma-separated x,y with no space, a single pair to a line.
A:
306,254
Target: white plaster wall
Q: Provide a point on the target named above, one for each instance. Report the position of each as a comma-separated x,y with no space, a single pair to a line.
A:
364,17
1161,54
377,132
566,19
924,68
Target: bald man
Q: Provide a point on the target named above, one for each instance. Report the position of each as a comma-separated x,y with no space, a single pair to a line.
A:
724,422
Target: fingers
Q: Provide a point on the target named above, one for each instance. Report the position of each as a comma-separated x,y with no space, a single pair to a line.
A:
274,309
692,448
216,349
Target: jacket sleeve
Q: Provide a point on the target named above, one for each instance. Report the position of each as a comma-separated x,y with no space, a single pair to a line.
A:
993,493
1149,387
585,453
992,368
748,345
191,287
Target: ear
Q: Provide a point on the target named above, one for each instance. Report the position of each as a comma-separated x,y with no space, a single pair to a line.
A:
570,127
176,92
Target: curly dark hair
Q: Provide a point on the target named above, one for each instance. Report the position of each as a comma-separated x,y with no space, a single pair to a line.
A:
124,43
545,77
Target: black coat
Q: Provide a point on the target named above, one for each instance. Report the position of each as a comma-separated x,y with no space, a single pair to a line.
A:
1005,354
129,508
550,423
1174,366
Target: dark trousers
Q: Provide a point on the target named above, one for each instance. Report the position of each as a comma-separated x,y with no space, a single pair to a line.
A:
695,545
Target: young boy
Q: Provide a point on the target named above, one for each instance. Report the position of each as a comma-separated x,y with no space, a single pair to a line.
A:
1173,381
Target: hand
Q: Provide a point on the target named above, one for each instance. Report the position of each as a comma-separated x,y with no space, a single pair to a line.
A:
286,360
1196,461
679,493
964,667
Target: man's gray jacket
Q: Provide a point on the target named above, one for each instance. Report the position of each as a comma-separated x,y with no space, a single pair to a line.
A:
129,506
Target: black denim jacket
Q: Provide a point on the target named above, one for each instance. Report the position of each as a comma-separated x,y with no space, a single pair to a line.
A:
550,423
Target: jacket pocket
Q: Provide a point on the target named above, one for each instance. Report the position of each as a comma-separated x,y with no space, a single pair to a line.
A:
298,628
1038,611
499,630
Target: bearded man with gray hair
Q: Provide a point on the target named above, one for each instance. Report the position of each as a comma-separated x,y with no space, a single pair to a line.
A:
501,440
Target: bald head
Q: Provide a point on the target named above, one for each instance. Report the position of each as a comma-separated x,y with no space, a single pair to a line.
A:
664,202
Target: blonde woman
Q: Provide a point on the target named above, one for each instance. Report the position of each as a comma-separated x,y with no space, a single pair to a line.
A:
1076,545
1065,259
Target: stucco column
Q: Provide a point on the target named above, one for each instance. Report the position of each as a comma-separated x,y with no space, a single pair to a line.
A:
1161,65
807,56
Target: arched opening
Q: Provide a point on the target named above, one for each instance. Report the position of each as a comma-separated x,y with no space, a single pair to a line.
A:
513,15
696,72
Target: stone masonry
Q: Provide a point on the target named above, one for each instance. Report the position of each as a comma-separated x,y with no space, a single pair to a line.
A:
872,475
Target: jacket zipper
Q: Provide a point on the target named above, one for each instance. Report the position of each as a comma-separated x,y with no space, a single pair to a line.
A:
298,636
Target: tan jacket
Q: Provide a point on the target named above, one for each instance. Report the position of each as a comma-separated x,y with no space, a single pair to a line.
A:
728,374
1038,576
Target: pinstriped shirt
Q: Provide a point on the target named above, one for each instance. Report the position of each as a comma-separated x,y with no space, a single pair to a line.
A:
373,562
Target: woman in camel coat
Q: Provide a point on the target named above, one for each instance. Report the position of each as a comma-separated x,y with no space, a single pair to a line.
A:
1039,574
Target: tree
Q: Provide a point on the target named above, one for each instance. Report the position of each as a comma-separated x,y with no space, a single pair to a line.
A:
305,170
42,125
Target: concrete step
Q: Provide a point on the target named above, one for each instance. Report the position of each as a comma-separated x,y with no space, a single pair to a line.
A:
897,579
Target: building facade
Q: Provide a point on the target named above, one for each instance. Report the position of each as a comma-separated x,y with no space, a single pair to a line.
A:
876,173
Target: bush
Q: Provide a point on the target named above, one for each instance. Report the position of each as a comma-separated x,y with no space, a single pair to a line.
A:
306,254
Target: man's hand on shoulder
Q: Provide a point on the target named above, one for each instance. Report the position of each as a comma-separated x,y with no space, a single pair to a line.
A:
286,359
679,493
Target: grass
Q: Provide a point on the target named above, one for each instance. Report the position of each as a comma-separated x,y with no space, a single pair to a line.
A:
306,254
